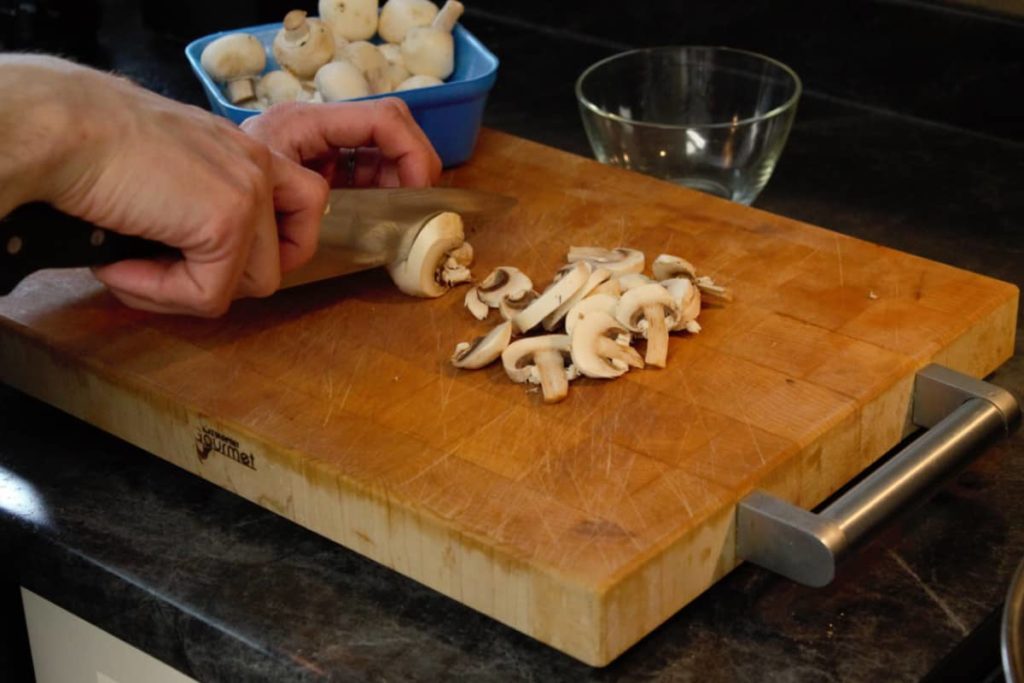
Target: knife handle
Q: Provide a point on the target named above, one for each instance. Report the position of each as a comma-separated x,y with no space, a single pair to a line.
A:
36,236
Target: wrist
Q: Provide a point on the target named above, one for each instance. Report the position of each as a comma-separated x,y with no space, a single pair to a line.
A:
40,129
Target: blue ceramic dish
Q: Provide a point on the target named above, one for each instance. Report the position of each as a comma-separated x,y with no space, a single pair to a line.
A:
450,113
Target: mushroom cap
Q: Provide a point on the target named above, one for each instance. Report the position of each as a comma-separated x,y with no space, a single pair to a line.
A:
429,52
503,281
597,277
236,55
686,300
368,59
483,350
599,302
398,16
553,297
667,267
630,309
601,360
303,52
350,19
518,357
418,81
337,81
618,261
280,86
417,274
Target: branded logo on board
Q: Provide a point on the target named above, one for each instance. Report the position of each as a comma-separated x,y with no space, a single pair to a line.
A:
211,441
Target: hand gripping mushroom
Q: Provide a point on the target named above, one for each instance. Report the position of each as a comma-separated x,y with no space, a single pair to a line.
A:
666,267
422,272
686,300
600,347
541,360
303,45
616,261
552,297
430,50
349,19
483,350
235,60
649,311
398,16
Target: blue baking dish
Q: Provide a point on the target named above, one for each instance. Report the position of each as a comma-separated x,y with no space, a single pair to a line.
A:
450,114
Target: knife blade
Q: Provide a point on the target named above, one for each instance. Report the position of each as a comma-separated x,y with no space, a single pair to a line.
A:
362,229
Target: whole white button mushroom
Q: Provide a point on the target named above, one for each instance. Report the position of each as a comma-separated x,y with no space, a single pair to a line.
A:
303,45
367,58
350,19
417,82
395,71
398,16
235,60
337,81
430,50
279,86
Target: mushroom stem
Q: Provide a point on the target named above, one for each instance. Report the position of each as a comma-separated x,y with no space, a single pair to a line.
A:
448,16
551,368
295,26
609,348
657,335
241,91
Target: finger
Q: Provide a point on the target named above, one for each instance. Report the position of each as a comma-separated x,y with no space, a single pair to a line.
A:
262,273
300,196
197,288
367,166
306,132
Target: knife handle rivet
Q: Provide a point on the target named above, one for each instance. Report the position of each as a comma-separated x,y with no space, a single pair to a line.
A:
14,245
97,237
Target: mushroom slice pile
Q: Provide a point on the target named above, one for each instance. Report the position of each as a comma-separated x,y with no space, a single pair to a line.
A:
597,302
554,296
483,350
649,311
541,360
618,261
597,277
600,347
423,272
632,281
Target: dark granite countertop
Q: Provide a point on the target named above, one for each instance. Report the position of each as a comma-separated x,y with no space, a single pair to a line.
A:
909,135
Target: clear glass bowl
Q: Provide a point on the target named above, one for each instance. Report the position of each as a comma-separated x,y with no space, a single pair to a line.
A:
711,118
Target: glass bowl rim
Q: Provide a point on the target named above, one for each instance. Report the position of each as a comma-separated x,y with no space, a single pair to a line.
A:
788,104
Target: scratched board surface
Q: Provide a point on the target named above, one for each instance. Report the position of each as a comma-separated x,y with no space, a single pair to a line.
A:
583,524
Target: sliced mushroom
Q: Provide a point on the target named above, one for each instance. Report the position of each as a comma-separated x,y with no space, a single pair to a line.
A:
612,287
420,273
598,302
541,360
713,292
597,277
618,261
476,307
553,297
632,281
686,301
600,347
666,267
510,306
456,266
483,350
503,281
649,311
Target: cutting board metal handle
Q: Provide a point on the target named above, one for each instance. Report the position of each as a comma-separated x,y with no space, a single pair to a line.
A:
962,416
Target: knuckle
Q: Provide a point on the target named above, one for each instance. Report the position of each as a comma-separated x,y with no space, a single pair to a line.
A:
394,108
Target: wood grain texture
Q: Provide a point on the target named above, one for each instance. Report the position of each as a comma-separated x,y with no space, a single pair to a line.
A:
583,524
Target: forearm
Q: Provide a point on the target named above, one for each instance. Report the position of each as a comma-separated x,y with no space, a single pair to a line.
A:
38,125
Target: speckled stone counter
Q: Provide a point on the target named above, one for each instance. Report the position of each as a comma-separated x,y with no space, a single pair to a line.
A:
225,591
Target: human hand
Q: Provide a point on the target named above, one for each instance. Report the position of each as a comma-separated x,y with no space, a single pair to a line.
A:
351,144
140,164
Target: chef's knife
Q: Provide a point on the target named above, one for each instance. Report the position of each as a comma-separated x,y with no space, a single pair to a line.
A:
362,229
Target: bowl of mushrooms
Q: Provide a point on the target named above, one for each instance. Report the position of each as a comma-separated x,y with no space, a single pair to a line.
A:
409,49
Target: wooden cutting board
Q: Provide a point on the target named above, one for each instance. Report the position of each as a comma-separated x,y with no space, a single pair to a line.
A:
583,524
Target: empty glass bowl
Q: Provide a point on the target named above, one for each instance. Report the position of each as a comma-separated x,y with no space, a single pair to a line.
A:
711,118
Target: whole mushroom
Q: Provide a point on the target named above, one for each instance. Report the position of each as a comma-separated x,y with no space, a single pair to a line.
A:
279,86
398,16
367,58
430,50
303,45
350,19
336,81
395,72
235,60
416,82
